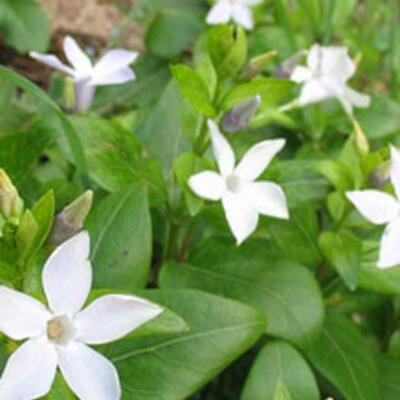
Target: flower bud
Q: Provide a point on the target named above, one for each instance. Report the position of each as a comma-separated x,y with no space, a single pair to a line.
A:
69,94
239,116
285,70
70,220
380,176
257,64
360,138
11,205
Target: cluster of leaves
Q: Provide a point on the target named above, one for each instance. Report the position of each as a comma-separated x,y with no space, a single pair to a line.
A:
304,297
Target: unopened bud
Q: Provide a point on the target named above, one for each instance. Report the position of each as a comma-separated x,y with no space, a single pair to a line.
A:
70,220
285,70
257,64
361,139
11,205
69,94
380,176
239,116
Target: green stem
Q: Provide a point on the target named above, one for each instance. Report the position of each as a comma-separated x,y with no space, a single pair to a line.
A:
394,79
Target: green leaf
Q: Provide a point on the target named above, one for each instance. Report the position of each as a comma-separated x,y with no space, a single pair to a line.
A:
336,172
271,90
194,89
345,359
28,143
381,119
117,158
298,236
285,292
299,181
43,211
70,132
228,49
389,377
343,251
186,165
162,132
25,25
282,392
175,366
278,366
173,29
26,235
120,231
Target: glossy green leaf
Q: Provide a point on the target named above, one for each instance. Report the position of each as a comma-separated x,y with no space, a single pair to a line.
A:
30,143
25,25
346,360
120,232
162,132
280,365
343,251
70,132
117,158
194,89
172,367
285,292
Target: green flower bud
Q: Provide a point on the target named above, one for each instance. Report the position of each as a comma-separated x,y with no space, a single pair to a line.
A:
70,220
257,64
11,205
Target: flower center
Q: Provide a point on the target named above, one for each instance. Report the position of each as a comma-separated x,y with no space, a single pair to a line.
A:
233,183
60,330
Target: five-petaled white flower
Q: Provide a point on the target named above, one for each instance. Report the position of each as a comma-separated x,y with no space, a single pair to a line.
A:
382,208
113,68
242,198
325,77
57,335
237,10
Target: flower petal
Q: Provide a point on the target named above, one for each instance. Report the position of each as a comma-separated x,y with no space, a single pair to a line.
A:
314,57
220,13
222,150
301,74
208,185
243,16
111,317
267,198
122,75
257,159
21,316
52,61
250,3
111,64
314,91
241,216
357,99
30,371
336,61
84,93
395,170
88,373
377,207
389,255
67,275
78,59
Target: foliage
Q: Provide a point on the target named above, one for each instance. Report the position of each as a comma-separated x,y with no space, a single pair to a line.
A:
299,311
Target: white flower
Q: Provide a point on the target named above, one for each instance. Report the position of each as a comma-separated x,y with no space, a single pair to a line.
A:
237,10
382,208
325,77
242,198
112,68
57,335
